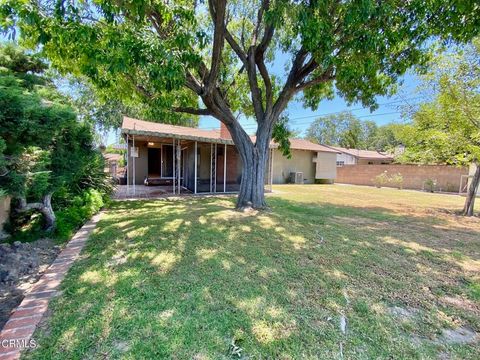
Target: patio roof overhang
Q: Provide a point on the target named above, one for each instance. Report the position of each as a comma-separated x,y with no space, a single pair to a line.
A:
156,134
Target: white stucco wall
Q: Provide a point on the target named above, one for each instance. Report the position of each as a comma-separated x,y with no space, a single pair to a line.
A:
301,161
326,166
347,159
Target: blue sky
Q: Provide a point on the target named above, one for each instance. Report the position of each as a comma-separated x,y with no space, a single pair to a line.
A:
301,118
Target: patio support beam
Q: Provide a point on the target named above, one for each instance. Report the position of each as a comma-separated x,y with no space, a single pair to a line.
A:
195,182
211,167
128,163
134,189
225,169
271,169
173,162
179,170
215,158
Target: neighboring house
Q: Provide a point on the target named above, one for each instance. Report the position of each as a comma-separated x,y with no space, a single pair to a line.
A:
361,157
200,160
112,163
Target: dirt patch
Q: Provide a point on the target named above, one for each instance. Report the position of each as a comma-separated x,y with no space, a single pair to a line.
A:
461,335
21,265
403,313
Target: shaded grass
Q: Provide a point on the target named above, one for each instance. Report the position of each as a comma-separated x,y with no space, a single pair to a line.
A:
192,278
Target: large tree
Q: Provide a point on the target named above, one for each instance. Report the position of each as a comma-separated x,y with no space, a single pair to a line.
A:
447,128
217,58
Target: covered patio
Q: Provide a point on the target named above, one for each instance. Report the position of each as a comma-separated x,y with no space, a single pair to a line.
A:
165,160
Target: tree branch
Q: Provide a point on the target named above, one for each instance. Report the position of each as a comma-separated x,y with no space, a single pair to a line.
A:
257,99
236,47
191,110
217,11
268,32
326,76
24,207
288,89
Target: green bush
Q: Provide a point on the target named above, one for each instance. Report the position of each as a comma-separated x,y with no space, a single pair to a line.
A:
396,180
82,208
430,185
381,179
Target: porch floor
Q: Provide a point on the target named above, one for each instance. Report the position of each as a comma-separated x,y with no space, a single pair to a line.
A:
146,192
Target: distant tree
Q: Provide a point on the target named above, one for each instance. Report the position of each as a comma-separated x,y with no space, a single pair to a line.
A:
447,129
386,138
369,134
346,130
42,145
217,57
341,129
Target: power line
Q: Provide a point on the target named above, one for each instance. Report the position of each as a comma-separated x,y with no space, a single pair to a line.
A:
292,120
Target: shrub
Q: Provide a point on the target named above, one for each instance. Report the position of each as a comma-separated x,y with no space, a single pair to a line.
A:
381,179
451,187
430,185
80,210
396,180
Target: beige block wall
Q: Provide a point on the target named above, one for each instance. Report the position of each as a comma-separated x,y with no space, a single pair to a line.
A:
373,162
301,161
326,166
414,176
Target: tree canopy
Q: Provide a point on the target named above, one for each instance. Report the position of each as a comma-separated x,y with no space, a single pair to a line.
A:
218,58
346,130
447,129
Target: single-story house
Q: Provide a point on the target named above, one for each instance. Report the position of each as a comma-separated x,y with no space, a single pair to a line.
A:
112,163
361,157
197,160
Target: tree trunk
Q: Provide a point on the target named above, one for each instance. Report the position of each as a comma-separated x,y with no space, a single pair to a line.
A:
254,159
472,192
45,207
252,186
48,213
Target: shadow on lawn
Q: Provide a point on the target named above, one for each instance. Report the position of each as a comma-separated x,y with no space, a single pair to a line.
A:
183,279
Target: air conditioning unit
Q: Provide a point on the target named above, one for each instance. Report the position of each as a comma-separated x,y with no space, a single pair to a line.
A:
296,177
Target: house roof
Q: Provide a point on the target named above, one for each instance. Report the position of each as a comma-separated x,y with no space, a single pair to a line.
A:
112,157
364,154
141,127
302,144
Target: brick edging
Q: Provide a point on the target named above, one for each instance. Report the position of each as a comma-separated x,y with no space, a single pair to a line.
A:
16,334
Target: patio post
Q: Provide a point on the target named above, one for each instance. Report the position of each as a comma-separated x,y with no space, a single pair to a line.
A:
128,170
133,139
215,170
211,166
225,169
195,183
179,169
173,158
271,170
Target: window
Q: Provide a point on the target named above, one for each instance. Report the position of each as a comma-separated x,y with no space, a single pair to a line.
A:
340,163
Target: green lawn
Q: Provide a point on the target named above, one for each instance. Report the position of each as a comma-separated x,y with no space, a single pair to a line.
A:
194,279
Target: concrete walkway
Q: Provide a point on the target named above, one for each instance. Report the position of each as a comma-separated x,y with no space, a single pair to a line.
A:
17,333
